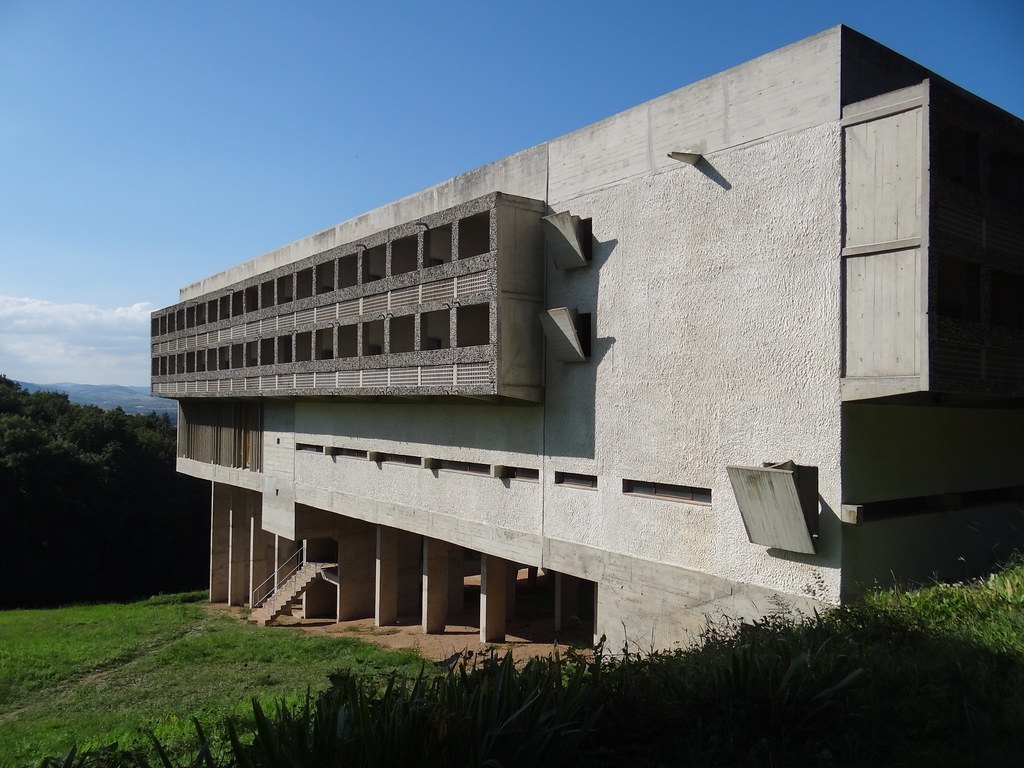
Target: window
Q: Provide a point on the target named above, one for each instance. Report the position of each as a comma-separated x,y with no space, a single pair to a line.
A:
304,284
435,331
472,325
475,235
403,334
373,337
575,480
285,289
667,491
373,264
399,458
463,466
1007,300
403,255
309,448
348,341
252,298
351,453
522,473
437,246
267,293
347,271
325,277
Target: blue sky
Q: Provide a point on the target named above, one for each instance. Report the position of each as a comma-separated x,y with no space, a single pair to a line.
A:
145,145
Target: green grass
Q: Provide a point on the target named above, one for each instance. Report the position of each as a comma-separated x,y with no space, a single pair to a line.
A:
94,675
930,677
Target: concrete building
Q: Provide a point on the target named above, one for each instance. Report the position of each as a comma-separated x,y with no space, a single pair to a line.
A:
760,337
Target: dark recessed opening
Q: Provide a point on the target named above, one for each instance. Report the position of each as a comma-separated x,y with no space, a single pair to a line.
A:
403,255
435,331
473,325
475,235
402,334
437,246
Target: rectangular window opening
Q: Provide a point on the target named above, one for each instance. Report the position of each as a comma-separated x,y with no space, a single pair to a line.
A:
237,303
348,271
373,338
575,480
470,467
475,235
350,453
435,330
404,255
437,246
304,284
399,458
374,263
473,325
348,336
252,298
402,334
267,293
285,289
325,344
309,448
190,317
667,491
211,310
251,354
266,352
325,277
522,473
201,313
303,347
284,349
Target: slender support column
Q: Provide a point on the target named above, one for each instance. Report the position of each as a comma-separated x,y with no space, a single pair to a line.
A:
220,542
567,597
435,585
410,571
357,545
385,610
493,594
238,574
456,579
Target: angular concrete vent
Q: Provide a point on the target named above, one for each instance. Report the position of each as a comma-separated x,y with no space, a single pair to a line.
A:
690,158
779,504
567,240
560,329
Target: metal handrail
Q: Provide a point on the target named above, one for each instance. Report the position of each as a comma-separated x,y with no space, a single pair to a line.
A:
273,581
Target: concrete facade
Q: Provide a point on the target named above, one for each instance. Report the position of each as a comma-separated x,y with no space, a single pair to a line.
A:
826,276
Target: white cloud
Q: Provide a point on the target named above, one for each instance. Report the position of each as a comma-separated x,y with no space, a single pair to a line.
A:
44,342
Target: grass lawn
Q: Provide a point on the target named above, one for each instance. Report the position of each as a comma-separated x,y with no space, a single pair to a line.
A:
93,675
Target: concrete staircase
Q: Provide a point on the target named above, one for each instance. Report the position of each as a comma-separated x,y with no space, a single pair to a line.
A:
283,598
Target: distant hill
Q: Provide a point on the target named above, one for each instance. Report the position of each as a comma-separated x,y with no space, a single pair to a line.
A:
109,396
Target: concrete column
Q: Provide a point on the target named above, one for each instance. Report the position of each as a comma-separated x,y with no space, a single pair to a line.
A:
493,594
456,579
435,585
261,559
410,571
385,611
567,598
357,558
238,573
220,542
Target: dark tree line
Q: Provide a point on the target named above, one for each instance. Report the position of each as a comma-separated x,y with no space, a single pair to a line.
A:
90,505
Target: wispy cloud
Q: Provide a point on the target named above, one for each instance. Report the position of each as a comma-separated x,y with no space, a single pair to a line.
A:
44,342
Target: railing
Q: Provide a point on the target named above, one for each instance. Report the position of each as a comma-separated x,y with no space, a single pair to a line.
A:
264,591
